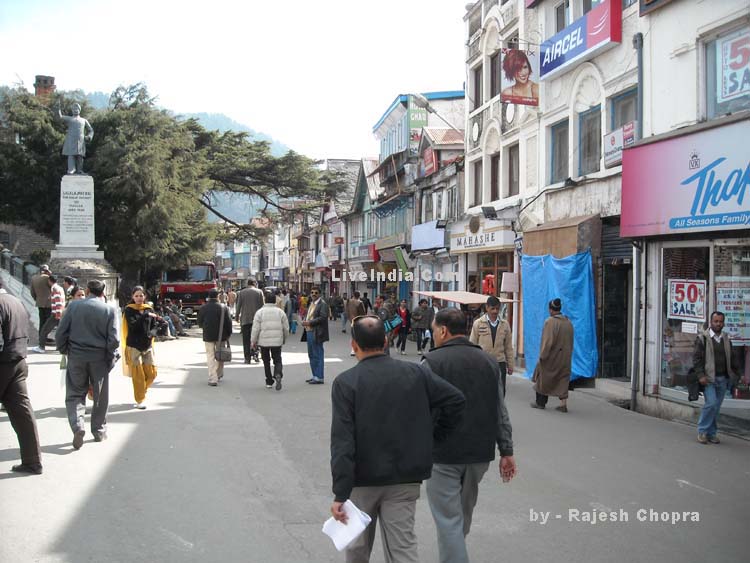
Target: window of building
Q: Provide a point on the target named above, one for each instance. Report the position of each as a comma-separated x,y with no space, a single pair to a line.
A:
427,201
562,15
477,181
451,206
495,75
624,108
590,145
627,3
589,4
514,171
439,213
728,73
495,177
477,84
559,138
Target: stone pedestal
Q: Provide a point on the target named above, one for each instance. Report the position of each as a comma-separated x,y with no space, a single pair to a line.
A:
77,219
77,253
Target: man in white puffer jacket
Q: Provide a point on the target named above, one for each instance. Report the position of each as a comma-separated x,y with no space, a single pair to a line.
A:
270,331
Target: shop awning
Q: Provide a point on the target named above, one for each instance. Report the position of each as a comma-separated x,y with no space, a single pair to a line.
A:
461,297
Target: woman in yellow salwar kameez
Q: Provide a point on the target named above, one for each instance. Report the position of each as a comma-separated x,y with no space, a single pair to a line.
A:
138,319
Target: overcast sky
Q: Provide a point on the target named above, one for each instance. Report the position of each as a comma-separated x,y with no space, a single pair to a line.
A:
314,74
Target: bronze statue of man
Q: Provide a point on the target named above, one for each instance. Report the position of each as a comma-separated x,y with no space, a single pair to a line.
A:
74,146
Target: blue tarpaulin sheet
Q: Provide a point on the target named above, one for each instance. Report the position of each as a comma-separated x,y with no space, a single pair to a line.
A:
571,279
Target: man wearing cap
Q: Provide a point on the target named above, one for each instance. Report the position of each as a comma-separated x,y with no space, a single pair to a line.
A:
40,292
57,302
14,337
88,335
552,371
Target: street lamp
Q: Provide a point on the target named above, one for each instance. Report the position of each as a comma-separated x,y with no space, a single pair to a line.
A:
422,102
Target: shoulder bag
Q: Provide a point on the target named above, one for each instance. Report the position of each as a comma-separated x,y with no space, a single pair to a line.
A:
223,352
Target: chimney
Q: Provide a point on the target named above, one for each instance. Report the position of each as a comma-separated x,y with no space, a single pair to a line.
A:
44,86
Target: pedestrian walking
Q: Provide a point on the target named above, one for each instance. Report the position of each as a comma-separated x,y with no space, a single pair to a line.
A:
139,326
249,300
493,335
14,339
716,368
403,329
216,322
40,293
366,302
344,315
552,372
355,308
88,335
461,461
231,299
421,321
337,306
382,433
316,334
57,304
270,331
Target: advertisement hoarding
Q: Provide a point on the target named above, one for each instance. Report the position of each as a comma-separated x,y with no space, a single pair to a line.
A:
519,68
733,66
686,300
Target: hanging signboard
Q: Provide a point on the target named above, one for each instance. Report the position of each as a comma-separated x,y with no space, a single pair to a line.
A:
733,299
733,66
617,140
519,68
686,300
599,29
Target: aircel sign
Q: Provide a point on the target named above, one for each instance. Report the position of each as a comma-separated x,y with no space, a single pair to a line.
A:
596,31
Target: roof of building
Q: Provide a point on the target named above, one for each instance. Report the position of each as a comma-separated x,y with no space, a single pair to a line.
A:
404,98
440,137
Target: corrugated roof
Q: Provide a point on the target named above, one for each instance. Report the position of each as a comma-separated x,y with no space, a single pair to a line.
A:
444,136
373,183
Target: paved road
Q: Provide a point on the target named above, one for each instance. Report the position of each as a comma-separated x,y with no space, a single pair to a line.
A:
240,473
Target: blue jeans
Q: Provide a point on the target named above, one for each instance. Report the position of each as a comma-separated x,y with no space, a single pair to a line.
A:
343,321
714,396
315,353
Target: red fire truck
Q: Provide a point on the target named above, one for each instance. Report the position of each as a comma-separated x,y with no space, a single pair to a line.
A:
191,284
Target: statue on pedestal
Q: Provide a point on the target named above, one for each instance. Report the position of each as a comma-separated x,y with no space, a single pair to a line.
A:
74,146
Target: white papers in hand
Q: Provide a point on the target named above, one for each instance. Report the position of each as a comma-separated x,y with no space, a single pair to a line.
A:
344,534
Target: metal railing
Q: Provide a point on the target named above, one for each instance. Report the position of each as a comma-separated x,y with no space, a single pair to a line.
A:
20,269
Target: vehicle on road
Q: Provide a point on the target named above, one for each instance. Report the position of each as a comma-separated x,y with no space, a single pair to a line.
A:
190,284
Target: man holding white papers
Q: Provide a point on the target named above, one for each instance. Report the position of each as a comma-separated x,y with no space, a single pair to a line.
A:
381,440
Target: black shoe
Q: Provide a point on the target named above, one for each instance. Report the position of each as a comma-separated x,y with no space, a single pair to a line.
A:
316,381
278,381
33,468
100,437
309,380
248,361
78,439
535,405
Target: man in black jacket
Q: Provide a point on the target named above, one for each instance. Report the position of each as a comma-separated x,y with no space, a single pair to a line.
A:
382,433
14,338
462,459
209,319
316,333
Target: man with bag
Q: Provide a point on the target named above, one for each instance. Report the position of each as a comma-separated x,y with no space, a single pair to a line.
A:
715,367
270,331
216,322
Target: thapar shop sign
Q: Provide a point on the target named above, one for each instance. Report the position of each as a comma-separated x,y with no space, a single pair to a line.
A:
693,183
598,30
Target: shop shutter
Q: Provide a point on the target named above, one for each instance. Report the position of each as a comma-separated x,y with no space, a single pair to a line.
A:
614,248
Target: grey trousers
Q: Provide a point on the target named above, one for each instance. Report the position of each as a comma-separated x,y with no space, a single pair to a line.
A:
452,493
81,374
394,506
15,397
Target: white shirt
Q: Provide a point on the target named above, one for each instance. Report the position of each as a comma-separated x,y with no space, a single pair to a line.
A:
716,337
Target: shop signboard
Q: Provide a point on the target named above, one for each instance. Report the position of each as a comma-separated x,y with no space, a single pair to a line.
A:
693,183
733,66
733,299
428,157
617,140
598,30
686,300
472,238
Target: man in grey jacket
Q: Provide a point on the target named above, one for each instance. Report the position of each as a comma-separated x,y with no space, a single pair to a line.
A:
463,458
249,300
88,335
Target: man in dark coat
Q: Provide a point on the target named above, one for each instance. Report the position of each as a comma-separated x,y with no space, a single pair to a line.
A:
316,333
385,416
209,319
249,300
14,338
461,461
88,335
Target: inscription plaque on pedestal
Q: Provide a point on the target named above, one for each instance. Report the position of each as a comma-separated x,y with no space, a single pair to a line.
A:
77,218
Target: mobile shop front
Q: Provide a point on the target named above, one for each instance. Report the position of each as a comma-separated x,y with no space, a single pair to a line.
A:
686,200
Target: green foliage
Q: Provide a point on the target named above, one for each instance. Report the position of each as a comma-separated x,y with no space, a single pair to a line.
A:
153,176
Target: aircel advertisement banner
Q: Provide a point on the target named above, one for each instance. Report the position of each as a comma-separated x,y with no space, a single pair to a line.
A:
698,182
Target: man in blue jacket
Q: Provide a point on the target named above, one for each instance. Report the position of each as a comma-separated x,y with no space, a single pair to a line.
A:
463,458
382,433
